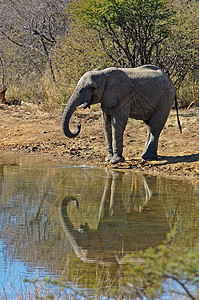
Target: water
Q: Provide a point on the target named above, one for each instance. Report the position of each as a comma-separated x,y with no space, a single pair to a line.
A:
78,223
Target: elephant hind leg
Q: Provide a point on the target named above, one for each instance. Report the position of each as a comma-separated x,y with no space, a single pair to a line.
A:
154,128
150,152
155,125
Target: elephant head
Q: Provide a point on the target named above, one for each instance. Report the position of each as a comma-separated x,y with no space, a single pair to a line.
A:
97,86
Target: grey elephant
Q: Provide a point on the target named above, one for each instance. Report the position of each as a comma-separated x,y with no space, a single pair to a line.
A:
144,93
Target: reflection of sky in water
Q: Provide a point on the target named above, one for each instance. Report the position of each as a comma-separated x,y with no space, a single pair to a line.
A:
178,292
12,285
13,273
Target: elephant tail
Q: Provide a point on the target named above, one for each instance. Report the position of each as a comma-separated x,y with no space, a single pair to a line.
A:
178,120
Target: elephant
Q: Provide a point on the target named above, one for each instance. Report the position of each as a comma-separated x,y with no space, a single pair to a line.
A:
144,93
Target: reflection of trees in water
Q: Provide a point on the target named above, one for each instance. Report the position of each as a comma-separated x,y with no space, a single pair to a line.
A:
182,209
29,229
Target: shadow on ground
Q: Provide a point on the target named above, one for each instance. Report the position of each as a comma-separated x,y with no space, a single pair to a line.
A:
161,161
177,159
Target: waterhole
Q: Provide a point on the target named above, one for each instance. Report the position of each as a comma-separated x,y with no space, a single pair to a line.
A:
61,221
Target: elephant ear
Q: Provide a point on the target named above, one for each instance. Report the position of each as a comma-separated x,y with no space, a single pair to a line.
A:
118,86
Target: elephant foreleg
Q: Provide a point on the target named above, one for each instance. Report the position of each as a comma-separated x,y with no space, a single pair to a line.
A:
106,124
118,122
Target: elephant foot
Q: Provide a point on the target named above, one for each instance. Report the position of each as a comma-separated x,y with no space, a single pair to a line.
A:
149,156
109,157
117,159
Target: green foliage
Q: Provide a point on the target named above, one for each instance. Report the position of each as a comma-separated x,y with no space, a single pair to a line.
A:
130,31
95,14
146,271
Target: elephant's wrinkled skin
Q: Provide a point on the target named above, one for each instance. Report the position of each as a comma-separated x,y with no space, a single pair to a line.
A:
144,93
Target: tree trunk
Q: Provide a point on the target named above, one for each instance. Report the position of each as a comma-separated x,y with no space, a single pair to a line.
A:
3,90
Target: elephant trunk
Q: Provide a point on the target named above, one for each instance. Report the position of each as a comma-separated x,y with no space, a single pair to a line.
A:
68,111
78,99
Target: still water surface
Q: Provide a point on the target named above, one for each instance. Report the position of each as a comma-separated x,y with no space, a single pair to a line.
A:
76,222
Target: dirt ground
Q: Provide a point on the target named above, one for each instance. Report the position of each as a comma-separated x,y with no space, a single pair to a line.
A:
30,129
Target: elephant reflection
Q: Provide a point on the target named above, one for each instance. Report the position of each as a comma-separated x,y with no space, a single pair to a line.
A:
127,222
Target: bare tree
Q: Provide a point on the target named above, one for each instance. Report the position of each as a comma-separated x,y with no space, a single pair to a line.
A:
2,70
34,26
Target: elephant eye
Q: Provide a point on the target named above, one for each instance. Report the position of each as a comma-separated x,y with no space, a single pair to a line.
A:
93,90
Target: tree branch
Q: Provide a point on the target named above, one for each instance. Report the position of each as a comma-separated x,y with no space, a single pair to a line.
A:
181,284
